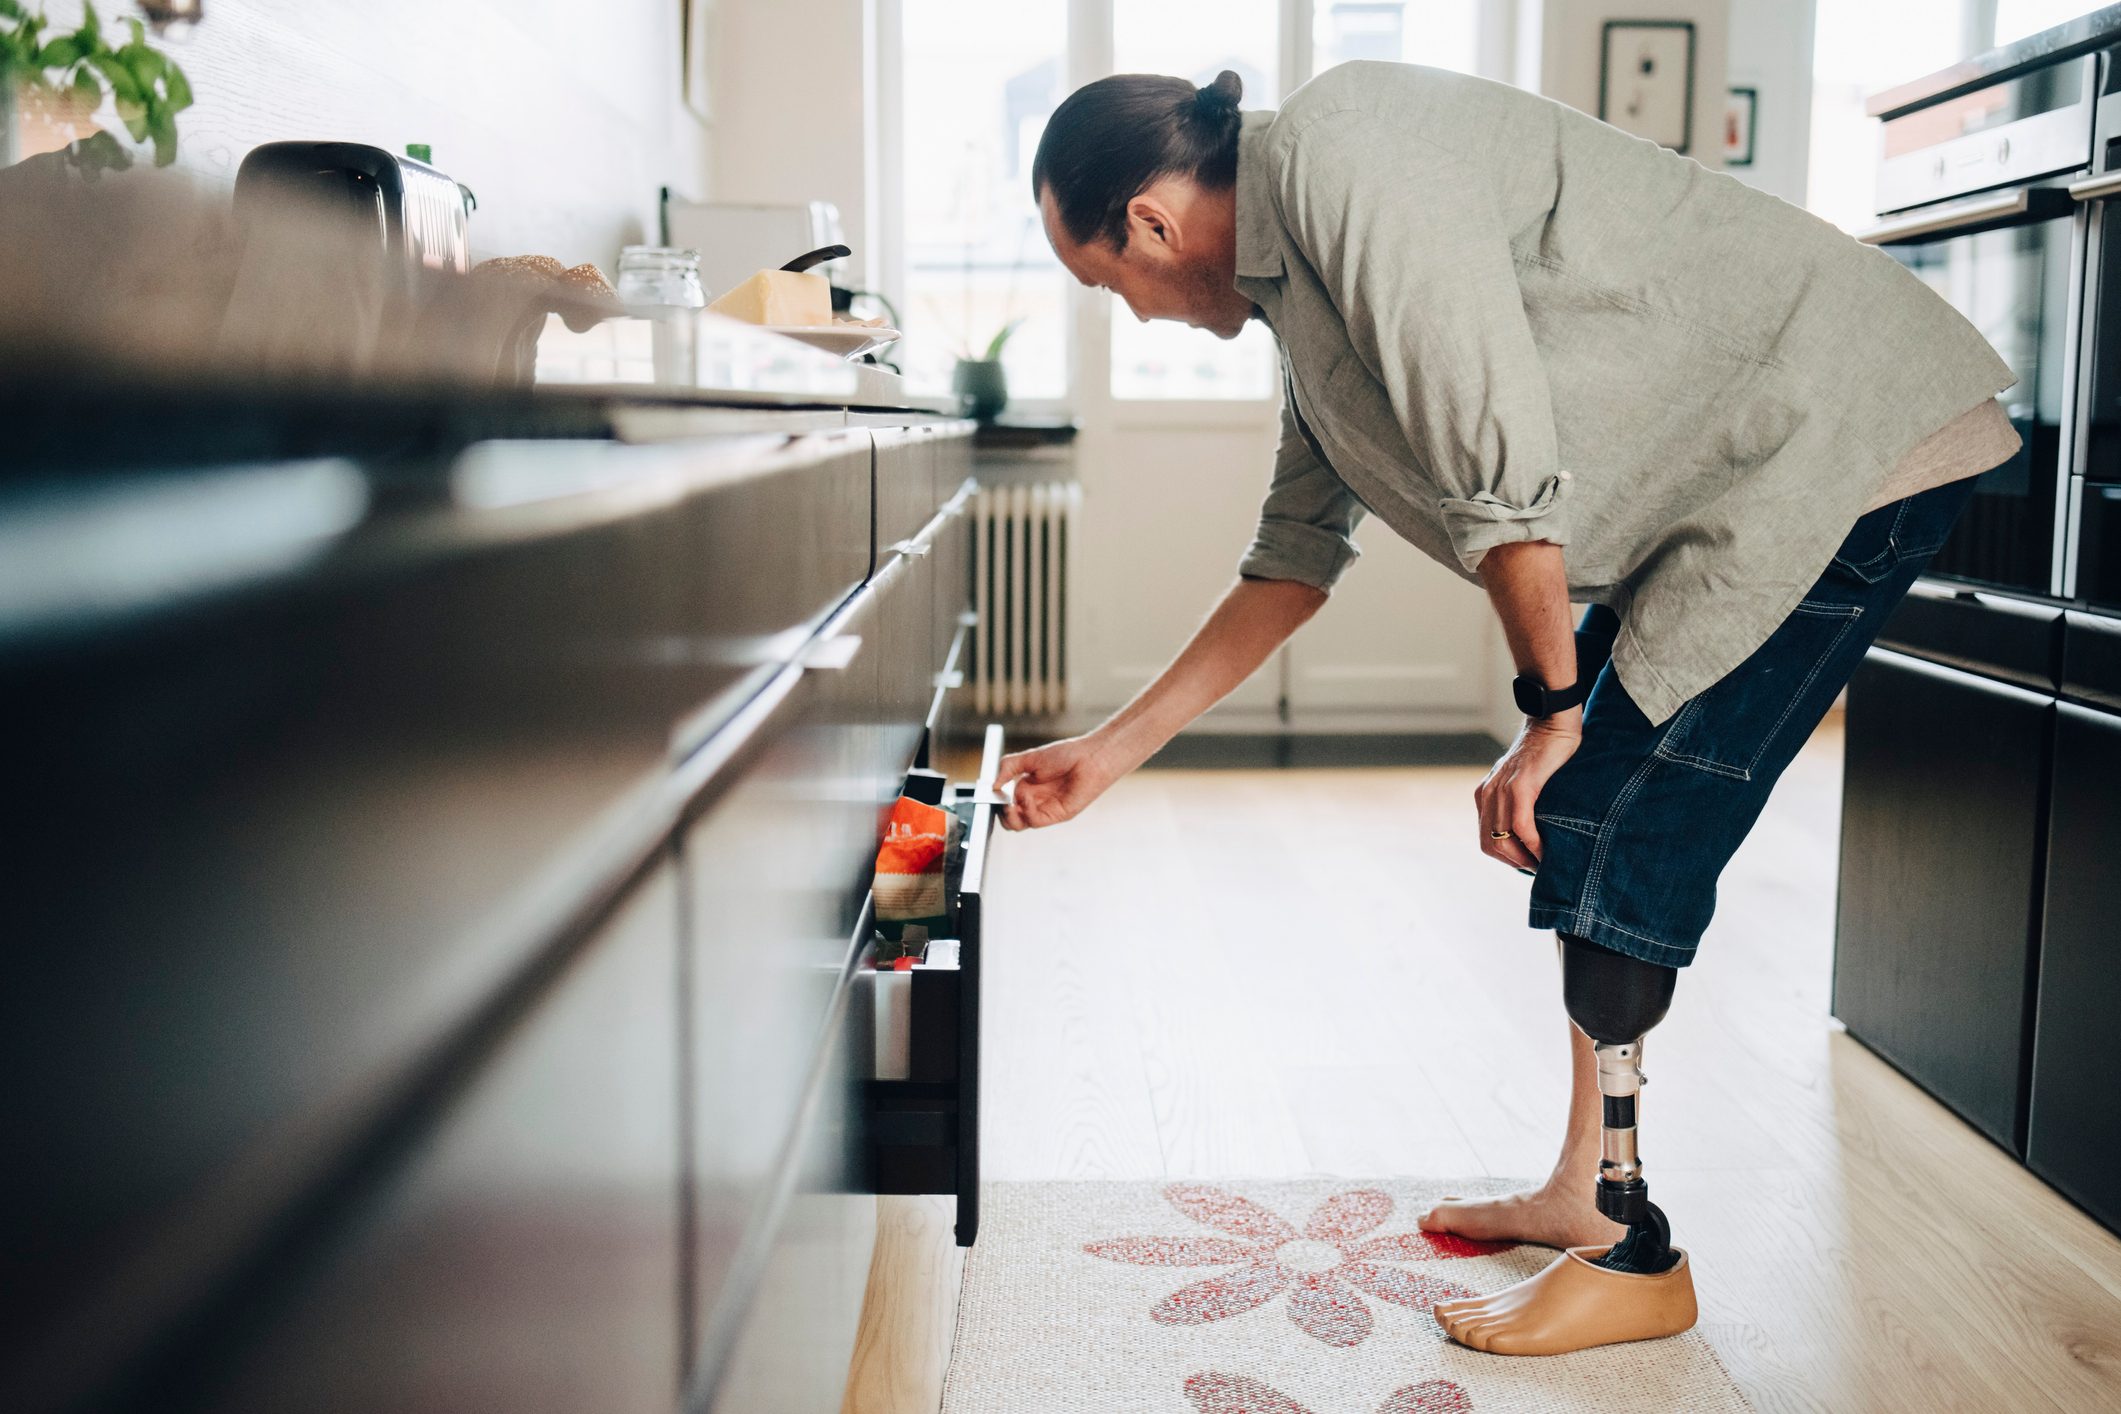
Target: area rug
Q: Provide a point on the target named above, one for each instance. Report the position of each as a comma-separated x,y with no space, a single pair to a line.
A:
1306,1296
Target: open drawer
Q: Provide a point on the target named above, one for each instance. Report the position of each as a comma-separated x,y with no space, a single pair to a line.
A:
924,1130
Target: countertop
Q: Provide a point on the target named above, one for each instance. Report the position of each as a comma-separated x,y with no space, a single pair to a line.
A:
2080,35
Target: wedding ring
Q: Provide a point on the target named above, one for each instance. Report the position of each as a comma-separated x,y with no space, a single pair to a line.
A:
1498,834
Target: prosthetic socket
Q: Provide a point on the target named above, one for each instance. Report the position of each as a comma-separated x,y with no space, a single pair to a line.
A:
1616,999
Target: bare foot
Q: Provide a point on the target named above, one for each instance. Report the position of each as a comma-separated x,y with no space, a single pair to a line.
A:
1554,1215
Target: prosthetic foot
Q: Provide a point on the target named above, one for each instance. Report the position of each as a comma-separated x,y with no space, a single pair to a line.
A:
1640,1287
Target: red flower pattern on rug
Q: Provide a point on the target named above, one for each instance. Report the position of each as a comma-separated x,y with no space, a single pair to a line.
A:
1213,1392
1326,1267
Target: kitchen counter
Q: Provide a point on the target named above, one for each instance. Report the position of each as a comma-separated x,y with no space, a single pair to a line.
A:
2084,33
448,822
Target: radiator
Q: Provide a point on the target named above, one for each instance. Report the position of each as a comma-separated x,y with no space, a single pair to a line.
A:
1020,557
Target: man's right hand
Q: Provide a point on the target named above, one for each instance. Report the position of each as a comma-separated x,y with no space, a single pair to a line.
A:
1055,782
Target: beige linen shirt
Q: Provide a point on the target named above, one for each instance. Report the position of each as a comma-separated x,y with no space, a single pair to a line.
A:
1502,319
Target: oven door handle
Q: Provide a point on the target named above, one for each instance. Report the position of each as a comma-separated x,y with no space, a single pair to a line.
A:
2011,207
2097,188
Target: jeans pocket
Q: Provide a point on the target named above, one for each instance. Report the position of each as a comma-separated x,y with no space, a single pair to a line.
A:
1871,550
1729,729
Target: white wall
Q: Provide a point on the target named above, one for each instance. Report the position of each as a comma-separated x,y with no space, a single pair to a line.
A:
564,120
1561,50
1771,50
794,94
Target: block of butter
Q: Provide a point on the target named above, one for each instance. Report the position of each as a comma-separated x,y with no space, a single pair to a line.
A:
780,298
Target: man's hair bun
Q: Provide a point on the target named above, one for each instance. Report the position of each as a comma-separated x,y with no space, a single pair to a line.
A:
1222,95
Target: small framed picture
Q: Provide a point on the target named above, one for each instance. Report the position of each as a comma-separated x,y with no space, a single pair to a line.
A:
1646,80
1738,126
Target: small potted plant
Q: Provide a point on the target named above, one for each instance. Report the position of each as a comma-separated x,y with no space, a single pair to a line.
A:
51,86
980,382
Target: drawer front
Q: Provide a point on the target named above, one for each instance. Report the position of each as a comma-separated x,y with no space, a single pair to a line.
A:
776,867
524,1253
776,542
1988,634
2073,1137
293,841
906,471
1940,842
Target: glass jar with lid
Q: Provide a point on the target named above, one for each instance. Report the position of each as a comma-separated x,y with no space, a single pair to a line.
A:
661,274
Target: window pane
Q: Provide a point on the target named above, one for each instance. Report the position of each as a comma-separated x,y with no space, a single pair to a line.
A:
1196,39
980,81
1444,34
1860,47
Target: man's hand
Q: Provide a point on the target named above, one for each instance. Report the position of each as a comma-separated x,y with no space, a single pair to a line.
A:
1506,798
1055,782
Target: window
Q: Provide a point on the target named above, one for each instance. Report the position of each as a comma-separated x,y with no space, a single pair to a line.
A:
2015,19
1196,39
979,81
1442,33
1859,48
972,85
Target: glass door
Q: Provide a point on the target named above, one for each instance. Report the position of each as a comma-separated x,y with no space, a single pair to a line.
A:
2013,283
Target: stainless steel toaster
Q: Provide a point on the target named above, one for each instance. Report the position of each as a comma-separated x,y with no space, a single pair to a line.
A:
419,214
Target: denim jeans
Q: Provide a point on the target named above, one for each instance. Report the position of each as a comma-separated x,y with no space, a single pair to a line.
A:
1636,827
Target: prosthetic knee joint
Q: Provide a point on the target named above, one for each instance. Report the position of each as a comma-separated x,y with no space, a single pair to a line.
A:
1616,999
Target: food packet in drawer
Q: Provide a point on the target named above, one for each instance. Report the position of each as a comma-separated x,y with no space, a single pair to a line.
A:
909,867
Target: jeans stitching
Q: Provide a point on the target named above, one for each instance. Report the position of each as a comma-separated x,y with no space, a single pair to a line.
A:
1569,822
1582,924
1603,848
1848,614
1888,557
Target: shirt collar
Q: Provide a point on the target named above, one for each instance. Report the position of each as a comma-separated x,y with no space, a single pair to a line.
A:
1258,228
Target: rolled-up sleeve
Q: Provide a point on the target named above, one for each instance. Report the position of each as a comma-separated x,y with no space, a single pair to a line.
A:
1307,522
1420,269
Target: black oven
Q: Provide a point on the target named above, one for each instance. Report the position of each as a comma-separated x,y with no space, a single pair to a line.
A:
1987,219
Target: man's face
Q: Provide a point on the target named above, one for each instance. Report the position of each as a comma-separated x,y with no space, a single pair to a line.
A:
1179,262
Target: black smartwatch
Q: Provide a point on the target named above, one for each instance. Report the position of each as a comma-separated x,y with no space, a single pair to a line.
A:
1536,699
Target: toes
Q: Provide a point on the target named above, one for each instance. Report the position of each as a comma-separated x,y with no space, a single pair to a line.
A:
1432,1220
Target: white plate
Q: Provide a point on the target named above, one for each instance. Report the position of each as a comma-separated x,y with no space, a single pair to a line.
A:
849,341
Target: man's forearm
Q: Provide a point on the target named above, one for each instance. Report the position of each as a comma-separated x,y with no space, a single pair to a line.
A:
1253,618
1529,587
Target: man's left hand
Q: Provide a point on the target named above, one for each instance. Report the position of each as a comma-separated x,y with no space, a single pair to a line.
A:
1507,797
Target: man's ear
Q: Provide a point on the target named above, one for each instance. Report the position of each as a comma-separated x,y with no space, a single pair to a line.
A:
1152,220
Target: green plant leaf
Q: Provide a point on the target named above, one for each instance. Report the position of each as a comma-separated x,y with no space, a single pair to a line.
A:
99,153
122,82
133,113
91,31
139,33
162,127
146,65
61,53
179,87
994,348
88,86
11,9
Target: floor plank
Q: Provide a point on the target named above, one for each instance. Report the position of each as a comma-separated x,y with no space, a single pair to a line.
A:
1257,973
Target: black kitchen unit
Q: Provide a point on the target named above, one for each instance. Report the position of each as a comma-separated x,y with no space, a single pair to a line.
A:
443,954
1981,843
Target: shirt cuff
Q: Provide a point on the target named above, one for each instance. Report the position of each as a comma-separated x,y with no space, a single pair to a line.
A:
1477,524
1298,550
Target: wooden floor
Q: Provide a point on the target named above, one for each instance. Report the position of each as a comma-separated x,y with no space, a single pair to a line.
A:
1255,974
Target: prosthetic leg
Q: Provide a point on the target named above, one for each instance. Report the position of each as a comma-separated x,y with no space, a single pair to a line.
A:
1639,1287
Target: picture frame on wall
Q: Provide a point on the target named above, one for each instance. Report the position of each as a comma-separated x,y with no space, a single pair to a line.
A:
1646,80
1738,113
695,24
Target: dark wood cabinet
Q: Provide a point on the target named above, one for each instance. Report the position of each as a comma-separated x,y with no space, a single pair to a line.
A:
1943,815
2074,1130
521,1251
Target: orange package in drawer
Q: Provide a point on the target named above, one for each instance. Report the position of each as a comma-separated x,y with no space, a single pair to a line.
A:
909,863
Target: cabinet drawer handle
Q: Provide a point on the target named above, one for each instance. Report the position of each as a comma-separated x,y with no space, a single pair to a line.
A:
834,654
912,547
